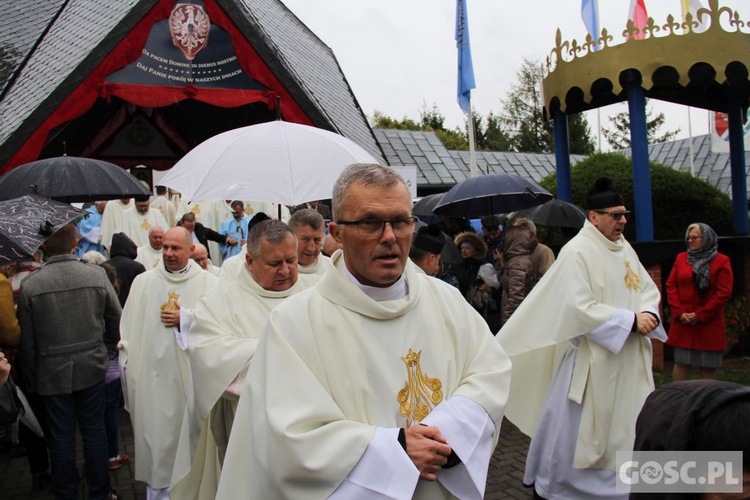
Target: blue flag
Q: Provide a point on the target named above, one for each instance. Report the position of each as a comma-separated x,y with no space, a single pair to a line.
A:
590,16
465,66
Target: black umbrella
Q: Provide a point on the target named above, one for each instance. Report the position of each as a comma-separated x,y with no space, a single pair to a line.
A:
427,204
423,208
27,221
554,213
491,194
71,179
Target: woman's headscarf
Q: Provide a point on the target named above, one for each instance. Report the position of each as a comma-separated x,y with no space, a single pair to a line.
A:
701,259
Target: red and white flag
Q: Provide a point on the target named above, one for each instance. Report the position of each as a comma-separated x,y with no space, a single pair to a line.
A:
639,16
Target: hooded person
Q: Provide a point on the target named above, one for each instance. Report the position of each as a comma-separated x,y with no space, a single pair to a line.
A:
122,256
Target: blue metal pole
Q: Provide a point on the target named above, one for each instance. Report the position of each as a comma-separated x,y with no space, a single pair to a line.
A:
562,156
737,159
644,222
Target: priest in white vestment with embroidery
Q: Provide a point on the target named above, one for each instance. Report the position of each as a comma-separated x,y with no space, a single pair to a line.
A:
149,255
112,220
138,221
154,364
581,354
378,380
309,228
228,323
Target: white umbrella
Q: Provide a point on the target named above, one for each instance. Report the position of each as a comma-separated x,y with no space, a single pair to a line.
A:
276,162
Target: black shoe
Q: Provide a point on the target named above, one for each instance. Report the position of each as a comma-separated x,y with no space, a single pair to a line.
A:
40,480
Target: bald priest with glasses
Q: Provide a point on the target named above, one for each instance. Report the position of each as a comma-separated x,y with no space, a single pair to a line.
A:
379,382
582,357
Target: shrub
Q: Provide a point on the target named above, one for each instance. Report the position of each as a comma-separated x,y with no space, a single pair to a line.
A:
678,198
737,318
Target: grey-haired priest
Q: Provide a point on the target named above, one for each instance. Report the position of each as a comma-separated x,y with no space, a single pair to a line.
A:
379,381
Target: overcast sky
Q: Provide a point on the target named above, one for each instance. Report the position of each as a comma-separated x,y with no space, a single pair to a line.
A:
399,54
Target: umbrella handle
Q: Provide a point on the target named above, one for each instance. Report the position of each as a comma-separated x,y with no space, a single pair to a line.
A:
46,228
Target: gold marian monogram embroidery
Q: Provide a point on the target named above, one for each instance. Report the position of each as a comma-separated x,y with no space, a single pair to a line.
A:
249,210
631,279
171,303
145,226
196,210
420,393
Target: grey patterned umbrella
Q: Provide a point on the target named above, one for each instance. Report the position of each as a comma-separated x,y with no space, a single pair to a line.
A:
27,221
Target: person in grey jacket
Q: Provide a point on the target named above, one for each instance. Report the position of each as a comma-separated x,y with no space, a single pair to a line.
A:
64,356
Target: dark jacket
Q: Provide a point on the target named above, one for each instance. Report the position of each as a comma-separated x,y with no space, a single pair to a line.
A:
122,255
61,308
694,415
204,234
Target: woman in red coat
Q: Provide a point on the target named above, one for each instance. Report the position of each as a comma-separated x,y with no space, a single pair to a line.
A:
698,287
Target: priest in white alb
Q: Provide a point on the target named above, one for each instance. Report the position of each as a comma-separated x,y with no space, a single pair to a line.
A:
379,381
581,354
149,255
228,323
154,364
309,228
138,221
112,220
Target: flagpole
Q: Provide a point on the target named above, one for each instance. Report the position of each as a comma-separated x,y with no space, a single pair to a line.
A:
690,135
473,170
465,78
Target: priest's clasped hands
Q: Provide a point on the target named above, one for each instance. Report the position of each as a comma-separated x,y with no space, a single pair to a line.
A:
427,448
171,317
646,323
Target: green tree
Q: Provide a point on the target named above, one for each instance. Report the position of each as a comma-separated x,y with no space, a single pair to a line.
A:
580,140
430,119
495,137
379,120
522,111
674,195
522,114
619,135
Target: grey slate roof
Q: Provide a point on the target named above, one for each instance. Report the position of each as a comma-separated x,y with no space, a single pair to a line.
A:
713,167
439,169
87,30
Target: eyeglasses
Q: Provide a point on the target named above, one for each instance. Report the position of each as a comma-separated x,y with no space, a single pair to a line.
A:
693,238
371,228
615,215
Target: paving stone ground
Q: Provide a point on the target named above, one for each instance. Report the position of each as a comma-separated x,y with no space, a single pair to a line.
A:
503,481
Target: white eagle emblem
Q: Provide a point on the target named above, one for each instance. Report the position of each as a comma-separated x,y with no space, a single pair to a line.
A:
189,26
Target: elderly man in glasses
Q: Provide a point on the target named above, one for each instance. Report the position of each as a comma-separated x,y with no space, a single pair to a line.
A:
597,306
379,381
